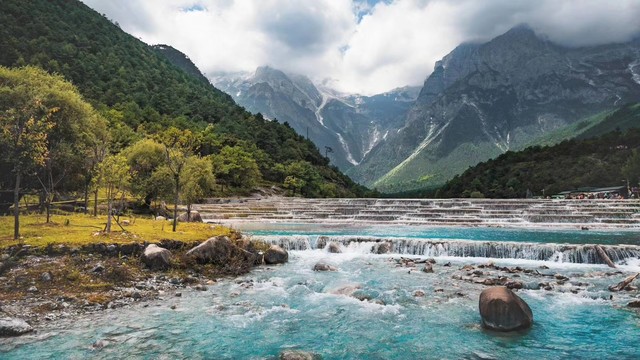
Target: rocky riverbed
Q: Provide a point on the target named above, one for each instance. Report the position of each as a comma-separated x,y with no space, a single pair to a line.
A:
41,285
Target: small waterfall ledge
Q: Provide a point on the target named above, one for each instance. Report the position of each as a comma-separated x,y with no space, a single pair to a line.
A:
605,214
561,253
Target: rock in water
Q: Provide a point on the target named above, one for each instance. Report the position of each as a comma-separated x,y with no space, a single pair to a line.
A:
383,248
323,267
156,257
276,255
14,327
297,355
502,310
217,250
334,248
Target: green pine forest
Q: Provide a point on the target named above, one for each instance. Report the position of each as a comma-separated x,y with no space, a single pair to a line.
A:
137,106
608,154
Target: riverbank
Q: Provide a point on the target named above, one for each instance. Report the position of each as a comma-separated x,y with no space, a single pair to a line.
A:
69,267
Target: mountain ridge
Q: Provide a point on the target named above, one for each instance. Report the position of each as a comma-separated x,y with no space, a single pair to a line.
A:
350,125
484,99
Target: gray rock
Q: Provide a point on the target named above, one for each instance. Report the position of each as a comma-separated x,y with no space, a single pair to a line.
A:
216,250
334,248
428,268
297,355
46,277
195,217
321,266
32,289
383,248
276,255
98,268
14,327
156,257
502,310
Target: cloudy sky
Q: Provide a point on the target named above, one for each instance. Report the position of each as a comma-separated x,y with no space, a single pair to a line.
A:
363,46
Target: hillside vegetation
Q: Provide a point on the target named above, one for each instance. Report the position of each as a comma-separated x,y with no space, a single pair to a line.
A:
141,94
607,160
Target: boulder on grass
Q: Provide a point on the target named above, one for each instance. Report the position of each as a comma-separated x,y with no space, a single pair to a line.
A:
13,327
156,257
216,250
195,217
276,255
502,310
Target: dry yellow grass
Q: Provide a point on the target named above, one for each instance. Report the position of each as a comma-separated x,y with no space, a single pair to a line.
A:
80,229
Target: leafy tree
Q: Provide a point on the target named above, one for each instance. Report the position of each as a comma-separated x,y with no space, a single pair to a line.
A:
294,184
144,158
114,175
178,147
234,166
197,181
24,129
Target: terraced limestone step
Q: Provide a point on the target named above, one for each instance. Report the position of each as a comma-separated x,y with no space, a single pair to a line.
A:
432,212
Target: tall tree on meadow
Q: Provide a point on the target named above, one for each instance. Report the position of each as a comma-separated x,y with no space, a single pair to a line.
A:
178,147
114,176
25,125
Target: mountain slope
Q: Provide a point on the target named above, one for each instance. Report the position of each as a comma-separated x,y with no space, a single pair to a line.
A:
180,60
349,124
115,71
569,165
485,99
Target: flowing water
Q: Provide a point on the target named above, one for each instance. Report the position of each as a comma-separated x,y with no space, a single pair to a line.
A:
372,307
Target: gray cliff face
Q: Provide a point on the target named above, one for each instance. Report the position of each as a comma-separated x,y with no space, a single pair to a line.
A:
485,99
350,125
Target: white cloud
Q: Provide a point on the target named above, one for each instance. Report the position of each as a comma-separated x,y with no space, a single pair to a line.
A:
365,46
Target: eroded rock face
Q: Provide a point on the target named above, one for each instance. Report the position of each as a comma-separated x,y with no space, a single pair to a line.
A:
216,250
13,327
276,255
156,257
502,310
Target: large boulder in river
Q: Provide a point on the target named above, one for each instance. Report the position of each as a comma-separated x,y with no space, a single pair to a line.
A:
216,250
276,255
13,327
502,310
156,257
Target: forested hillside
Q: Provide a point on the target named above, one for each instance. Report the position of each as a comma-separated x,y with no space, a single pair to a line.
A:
141,94
608,160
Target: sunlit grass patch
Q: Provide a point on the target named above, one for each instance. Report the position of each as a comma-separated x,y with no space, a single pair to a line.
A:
80,229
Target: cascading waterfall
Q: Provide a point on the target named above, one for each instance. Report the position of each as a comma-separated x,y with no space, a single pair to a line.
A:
563,253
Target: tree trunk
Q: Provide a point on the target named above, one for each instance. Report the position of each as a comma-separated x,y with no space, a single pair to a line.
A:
86,198
16,208
48,209
108,230
175,205
188,212
95,203
603,255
